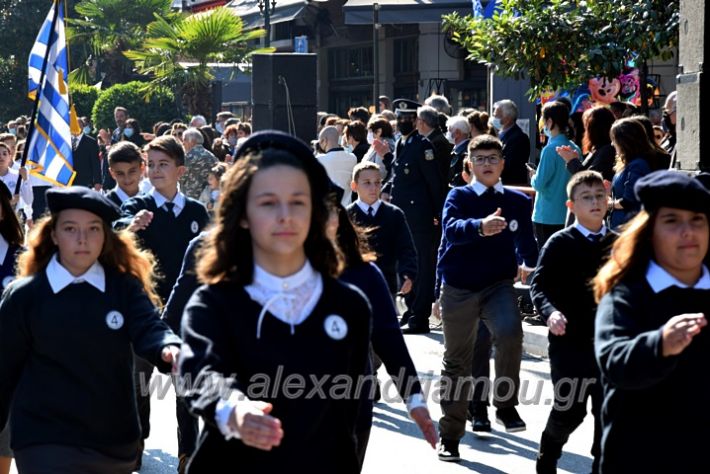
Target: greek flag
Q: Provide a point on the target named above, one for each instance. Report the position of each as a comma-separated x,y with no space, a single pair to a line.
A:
50,149
488,11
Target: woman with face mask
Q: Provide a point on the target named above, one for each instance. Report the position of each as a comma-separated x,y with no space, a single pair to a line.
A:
550,178
379,128
132,133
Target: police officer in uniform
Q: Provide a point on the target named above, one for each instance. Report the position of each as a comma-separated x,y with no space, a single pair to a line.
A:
415,185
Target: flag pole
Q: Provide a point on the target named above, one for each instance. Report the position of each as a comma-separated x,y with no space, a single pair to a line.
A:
38,93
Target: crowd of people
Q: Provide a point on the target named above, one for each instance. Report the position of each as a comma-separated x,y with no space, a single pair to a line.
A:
226,257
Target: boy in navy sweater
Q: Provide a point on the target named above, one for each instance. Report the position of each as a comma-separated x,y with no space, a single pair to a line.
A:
389,237
165,221
125,163
564,298
483,226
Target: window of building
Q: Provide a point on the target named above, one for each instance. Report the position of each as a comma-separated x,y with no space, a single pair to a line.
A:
350,63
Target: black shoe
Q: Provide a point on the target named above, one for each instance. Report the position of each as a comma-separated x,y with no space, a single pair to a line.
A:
481,423
545,465
409,329
509,418
403,321
448,451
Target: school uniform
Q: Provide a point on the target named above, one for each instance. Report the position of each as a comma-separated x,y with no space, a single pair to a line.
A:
477,275
307,327
174,224
390,238
8,257
118,196
26,196
655,416
66,364
569,261
387,344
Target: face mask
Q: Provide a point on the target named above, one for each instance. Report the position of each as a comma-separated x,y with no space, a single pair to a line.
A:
87,130
405,128
450,138
232,141
547,132
348,148
219,127
495,123
370,137
12,131
128,132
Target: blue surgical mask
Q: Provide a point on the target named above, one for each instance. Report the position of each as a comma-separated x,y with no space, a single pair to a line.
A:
128,132
495,123
370,137
547,132
12,131
87,130
219,127
348,148
450,138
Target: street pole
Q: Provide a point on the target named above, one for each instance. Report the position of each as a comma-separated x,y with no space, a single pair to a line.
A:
267,20
375,55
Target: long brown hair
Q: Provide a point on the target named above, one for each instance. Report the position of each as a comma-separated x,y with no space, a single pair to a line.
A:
120,253
352,240
631,141
227,253
597,125
630,254
10,227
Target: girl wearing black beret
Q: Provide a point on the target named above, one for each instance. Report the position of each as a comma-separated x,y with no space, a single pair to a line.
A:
83,302
275,345
651,342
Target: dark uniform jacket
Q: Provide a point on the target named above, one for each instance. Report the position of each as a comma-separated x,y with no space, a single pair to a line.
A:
221,350
415,183
442,152
66,367
656,412
516,151
86,162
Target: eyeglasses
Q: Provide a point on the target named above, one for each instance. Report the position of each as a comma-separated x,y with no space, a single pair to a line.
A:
481,159
591,198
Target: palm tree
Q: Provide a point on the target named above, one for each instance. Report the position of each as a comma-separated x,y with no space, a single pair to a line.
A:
107,28
176,54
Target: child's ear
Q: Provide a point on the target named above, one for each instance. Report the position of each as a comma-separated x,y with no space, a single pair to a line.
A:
570,205
353,185
181,171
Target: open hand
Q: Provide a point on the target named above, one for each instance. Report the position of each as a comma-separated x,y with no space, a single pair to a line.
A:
567,153
421,417
679,332
141,220
493,224
256,427
381,148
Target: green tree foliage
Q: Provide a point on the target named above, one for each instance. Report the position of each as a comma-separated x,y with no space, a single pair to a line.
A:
560,44
160,107
83,97
105,29
176,53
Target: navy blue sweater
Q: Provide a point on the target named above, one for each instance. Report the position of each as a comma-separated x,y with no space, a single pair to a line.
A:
471,262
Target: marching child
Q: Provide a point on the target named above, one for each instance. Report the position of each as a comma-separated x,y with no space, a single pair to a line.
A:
563,296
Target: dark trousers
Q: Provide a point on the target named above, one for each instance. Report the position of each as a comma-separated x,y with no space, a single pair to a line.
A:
461,313
481,369
544,231
421,297
575,375
39,201
142,371
188,429
64,459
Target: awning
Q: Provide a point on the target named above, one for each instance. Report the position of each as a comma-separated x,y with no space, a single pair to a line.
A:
286,10
397,12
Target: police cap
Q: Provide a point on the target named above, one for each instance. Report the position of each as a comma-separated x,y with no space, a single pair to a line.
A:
405,106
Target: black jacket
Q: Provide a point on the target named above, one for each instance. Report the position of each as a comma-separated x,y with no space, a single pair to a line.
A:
516,151
86,162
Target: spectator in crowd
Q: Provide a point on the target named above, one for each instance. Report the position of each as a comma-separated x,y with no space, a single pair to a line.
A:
480,124
668,122
198,121
220,124
356,137
458,132
600,154
379,128
133,133
198,163
634,155
516,144
177,129
658,134
120,115
428,127
359,113
231,138
661,160
384,103
550,179
338,163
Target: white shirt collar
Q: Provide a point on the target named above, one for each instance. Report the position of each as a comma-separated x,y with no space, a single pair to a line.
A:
160,200
275,283
375,206
122,194
481,188
4,247
59,277
659,279
586,232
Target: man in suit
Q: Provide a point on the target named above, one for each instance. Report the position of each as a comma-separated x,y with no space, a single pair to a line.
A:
459,131
428,127
516,144
86,161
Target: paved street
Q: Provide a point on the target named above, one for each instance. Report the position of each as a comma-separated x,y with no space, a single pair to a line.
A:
395,444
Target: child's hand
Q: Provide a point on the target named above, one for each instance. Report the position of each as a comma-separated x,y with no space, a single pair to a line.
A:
255,426
557,323
679,332
421,417
23,174
406,286
141,221
493,224
170,355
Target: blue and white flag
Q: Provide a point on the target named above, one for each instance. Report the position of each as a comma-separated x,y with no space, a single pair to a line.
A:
479,11
50,148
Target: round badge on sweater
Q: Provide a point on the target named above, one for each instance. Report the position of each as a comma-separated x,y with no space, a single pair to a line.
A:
194,227
114,320
335,327
513,225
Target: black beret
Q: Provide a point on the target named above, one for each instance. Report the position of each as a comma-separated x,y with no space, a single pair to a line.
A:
5,191
704,179
667,188
79,197
275,139
404,106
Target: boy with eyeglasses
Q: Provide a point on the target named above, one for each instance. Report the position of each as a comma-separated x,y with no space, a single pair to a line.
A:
565,300
484,226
